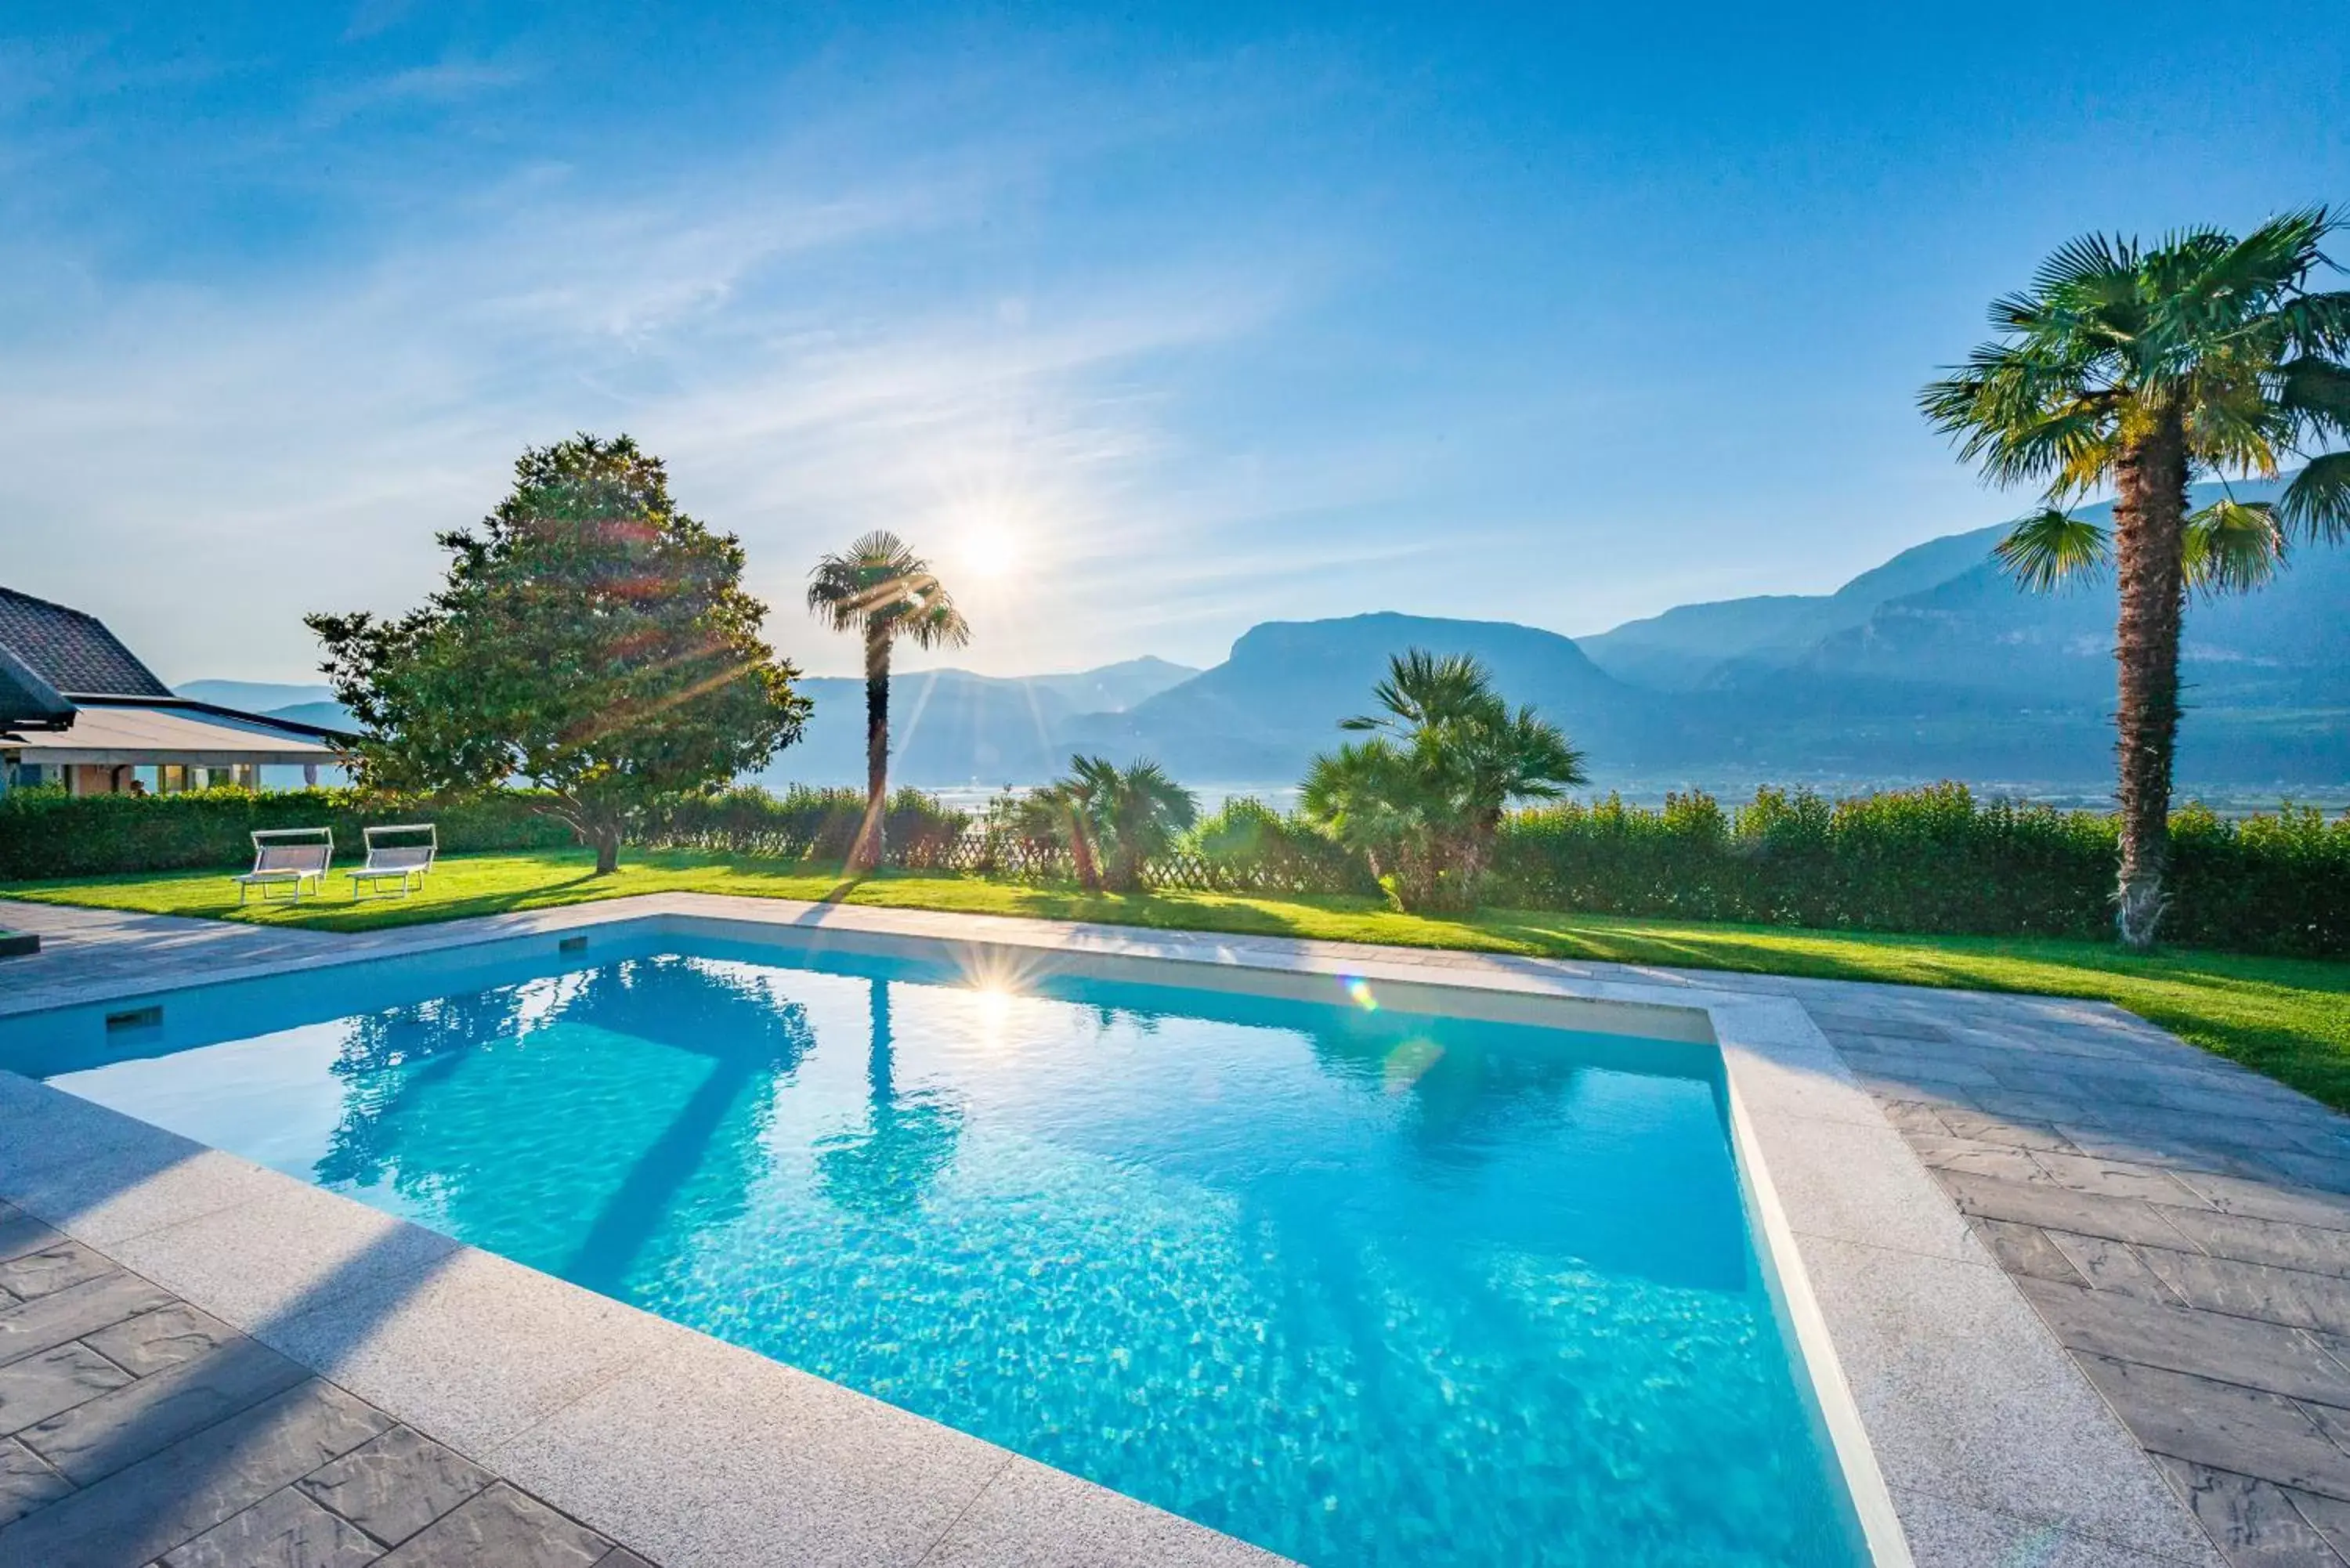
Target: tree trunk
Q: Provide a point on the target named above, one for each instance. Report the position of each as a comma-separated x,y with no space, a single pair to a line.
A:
2150,556
607,839
1081,853
871,839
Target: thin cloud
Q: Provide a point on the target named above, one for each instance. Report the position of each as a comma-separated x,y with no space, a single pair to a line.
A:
446,82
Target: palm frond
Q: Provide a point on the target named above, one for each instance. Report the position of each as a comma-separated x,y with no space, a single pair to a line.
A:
2316,504
2086,262
2052,549
2233,546
2314,393
2318,323
879,586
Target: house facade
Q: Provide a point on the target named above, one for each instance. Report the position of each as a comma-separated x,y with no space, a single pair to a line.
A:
78,709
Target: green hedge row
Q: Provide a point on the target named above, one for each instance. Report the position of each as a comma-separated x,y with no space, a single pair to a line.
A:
803,823
47,832
1933,861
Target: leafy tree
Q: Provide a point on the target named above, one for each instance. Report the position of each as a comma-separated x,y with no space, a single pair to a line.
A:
882,591
1423,798
2143,368
1113,819
590,638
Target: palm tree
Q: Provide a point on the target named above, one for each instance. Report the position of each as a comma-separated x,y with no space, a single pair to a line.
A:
882,590
1113,819
1134,813
2143,368
1424,798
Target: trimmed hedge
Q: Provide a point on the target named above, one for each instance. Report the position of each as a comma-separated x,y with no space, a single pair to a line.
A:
1933,861
803,823
48,833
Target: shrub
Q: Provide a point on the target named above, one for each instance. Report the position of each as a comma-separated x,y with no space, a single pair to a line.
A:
804,823
47,832
1933,861
1248,845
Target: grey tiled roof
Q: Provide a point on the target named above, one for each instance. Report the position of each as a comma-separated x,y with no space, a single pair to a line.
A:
72,652
24,697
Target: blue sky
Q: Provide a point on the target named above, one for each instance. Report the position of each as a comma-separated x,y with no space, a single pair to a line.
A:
1147,324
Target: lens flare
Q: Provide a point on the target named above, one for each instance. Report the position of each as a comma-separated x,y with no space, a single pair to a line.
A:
1359,990
1407,1061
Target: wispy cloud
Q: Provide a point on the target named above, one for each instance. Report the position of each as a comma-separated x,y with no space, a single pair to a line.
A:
443,83
190,457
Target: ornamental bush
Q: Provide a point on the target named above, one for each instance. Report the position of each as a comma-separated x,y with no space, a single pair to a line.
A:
1933,861
804,823
48,833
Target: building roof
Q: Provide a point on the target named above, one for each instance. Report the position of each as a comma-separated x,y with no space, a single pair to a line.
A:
73,652
134,734
26,700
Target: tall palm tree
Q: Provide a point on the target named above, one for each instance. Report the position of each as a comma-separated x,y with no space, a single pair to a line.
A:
883,591
2142,368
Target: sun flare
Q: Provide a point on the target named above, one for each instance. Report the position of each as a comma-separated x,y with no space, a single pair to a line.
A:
989,548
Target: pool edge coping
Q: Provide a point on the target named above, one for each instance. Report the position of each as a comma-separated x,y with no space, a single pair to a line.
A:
1785,1082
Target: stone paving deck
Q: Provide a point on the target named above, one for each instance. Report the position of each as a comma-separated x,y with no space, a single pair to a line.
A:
136,1429
2180,1224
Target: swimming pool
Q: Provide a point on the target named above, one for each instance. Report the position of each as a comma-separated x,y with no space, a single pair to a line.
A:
1358,1284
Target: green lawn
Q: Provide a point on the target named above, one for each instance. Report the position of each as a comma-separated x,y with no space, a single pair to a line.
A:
2287,1017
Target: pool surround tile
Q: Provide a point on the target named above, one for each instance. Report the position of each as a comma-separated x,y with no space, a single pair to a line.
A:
1981,1426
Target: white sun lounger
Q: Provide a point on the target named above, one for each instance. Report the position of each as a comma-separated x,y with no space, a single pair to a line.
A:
396,854
294,858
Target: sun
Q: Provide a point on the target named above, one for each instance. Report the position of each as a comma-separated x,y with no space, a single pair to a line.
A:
988,547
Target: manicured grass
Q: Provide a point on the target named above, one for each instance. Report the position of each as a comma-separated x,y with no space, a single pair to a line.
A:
2289,1018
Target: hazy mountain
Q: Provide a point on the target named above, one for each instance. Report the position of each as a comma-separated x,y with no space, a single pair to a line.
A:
326,715
1265,711
1932,665
1681,648
252,696
1114,687
951,727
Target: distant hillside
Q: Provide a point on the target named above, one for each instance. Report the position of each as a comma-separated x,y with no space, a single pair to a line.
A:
1684,647
252,696
1265,711
328,715
1932,665
951,727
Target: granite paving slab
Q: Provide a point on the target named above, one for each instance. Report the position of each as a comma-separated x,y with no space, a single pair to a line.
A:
2122,1129
2179,1222
196,1447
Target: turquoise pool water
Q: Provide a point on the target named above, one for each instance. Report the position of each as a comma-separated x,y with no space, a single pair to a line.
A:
1360,1286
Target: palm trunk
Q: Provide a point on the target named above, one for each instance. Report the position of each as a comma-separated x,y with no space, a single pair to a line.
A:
2150,555
1081,853
871,839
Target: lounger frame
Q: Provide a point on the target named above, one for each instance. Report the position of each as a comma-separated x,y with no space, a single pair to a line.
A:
294,858
395,854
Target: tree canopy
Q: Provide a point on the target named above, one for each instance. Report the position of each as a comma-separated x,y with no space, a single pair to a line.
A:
589,639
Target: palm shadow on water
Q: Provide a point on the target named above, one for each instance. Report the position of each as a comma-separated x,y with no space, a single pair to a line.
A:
884,1168
400,1126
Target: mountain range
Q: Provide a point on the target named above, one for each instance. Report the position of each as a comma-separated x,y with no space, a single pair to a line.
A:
1931,665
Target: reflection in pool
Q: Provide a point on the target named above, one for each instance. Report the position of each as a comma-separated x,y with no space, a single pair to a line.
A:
1361,1286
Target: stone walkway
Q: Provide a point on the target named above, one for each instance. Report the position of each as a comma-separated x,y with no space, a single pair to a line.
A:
2179,1222
135,1429
2182,1225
